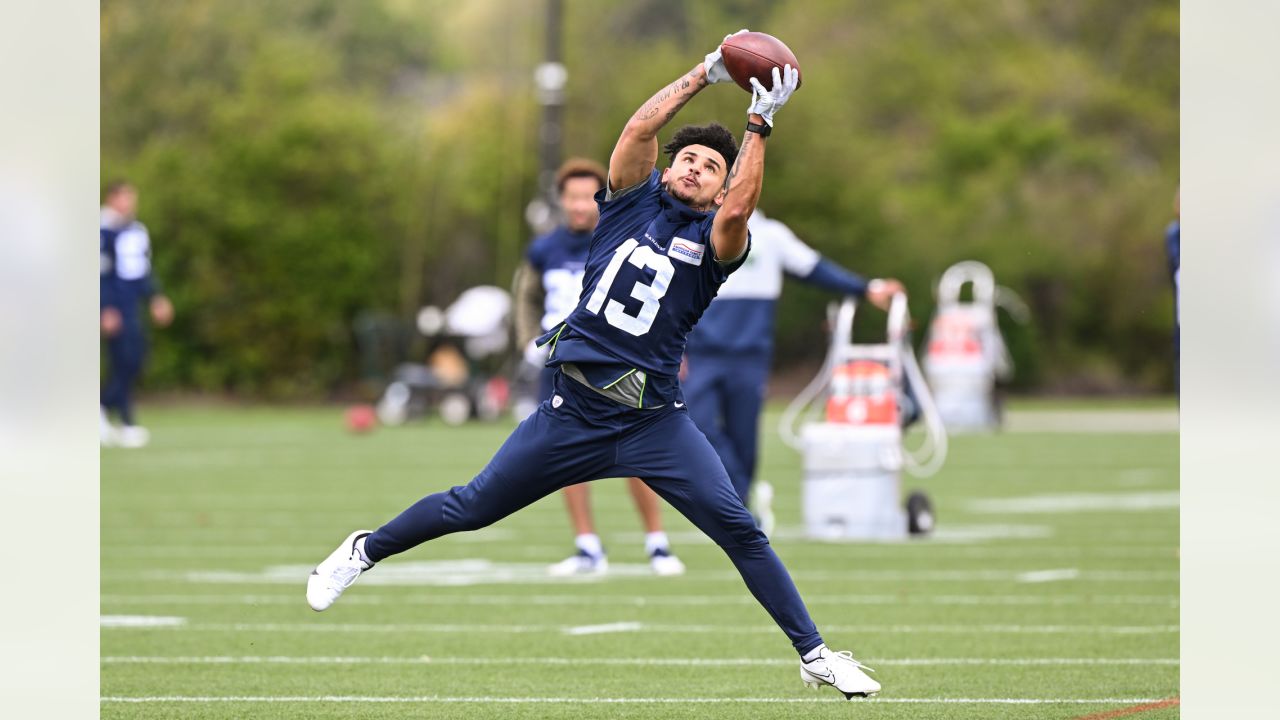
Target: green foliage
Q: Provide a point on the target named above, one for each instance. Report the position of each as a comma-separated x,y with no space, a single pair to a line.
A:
302,161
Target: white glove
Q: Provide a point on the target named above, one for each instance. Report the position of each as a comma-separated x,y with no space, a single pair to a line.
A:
766,102
714,63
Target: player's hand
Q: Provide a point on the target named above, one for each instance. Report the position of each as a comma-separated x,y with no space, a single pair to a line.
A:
880,291
110,322
766,102
161,311
714,63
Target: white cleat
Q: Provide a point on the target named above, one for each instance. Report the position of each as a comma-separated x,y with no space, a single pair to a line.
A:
840,671
132,436
583,563
107,434
336,573
664,564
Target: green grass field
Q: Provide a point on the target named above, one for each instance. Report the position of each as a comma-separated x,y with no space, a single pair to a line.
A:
1061,602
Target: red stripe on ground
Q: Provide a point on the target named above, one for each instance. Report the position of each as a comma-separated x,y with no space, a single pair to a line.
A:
1134,710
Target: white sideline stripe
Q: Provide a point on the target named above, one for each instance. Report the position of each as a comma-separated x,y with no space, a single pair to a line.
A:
675,662
140,621
423,699
659,628
1043,576
605,628
658,600
1154,420
1079,502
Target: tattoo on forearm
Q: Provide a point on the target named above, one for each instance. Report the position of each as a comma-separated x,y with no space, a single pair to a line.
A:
737,163
650,109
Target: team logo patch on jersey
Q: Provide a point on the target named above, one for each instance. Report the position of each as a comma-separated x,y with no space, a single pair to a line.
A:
686,251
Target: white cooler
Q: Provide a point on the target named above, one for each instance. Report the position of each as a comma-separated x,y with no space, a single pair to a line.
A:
851,487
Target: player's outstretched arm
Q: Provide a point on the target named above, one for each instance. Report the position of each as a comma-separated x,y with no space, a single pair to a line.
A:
729,230
636,153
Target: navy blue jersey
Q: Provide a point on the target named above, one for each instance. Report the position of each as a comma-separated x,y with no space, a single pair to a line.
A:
124,270
560,259
651,272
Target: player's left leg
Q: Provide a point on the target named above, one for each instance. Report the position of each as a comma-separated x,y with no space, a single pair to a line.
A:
677,461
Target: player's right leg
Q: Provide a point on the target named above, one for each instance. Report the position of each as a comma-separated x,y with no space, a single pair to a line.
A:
682,467
559,444
589,557
657,546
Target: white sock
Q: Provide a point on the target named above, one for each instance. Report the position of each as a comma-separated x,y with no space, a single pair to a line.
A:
813,654
590,544
655,541
360,549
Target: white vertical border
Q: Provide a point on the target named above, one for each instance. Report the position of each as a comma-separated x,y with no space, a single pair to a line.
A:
1230,109
48,359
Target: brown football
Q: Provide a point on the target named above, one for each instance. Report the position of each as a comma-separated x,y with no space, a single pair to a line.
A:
756,54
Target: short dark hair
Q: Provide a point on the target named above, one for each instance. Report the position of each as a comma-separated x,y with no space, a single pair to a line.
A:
117,186
576,167
713,135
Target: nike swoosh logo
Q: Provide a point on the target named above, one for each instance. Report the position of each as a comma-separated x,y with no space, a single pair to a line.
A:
679,405
829,677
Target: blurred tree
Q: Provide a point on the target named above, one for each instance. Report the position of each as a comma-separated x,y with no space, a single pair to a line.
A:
303,160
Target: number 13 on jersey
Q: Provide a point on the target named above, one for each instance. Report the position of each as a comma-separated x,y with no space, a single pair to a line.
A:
650,295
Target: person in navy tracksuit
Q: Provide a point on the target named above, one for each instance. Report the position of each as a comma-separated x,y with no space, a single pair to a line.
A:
125,284
665,243
728,356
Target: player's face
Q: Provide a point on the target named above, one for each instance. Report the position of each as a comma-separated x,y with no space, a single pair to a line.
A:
124,201
696,177
579,203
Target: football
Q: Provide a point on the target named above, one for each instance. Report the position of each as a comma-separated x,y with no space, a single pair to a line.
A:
755,54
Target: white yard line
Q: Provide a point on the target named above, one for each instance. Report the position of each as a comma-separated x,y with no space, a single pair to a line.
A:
980,551
737,598
1043,576
320,627
603,629
639,661
140,621
478,571
427,699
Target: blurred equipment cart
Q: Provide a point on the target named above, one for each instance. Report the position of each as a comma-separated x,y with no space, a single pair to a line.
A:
854,454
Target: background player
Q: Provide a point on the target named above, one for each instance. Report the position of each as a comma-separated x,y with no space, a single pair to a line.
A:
730,351
548,285
657,257
124,283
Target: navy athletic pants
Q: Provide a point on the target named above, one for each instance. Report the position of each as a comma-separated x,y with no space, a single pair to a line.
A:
725,395
127,352
580,435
